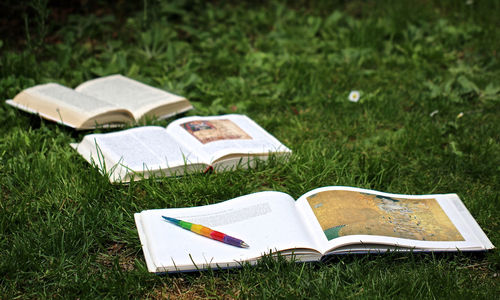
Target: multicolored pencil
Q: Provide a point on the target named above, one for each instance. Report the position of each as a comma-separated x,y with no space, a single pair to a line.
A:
207,232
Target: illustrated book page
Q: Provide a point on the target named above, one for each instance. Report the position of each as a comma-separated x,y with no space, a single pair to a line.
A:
225,140
322,222
350,220
148,150
266,221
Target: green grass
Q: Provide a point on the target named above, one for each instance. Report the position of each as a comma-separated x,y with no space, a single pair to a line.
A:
427,122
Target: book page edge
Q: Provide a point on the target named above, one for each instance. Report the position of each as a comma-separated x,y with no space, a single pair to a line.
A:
144,243
471,222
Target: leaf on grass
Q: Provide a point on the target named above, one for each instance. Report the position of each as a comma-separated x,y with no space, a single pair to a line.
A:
467,85
333,19
491,89
434,89
491,92
455,150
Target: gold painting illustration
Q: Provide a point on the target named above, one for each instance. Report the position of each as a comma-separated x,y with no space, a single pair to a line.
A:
342,213
215,130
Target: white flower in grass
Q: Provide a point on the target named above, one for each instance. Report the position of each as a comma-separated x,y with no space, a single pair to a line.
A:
354,96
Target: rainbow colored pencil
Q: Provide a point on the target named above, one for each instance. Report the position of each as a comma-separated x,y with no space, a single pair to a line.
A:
207,232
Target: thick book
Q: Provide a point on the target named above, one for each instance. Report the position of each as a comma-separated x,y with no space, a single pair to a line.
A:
103,102
189,144
325,221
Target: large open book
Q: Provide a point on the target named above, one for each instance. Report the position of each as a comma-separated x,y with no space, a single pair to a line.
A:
189,144
325,221
107,101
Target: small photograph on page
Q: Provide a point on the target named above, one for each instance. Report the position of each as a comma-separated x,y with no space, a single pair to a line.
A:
215,130
342,213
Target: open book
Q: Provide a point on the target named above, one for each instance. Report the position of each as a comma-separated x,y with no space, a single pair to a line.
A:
189,144
108,101
325,221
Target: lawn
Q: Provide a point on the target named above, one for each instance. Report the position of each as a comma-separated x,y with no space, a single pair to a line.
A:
428,121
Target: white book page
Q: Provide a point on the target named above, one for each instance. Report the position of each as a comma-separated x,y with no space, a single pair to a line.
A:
266,221
62,102
217,136
141,149
127,93
353,216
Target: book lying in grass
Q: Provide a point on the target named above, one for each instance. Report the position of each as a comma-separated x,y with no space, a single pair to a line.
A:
325,221
105,101
190,144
